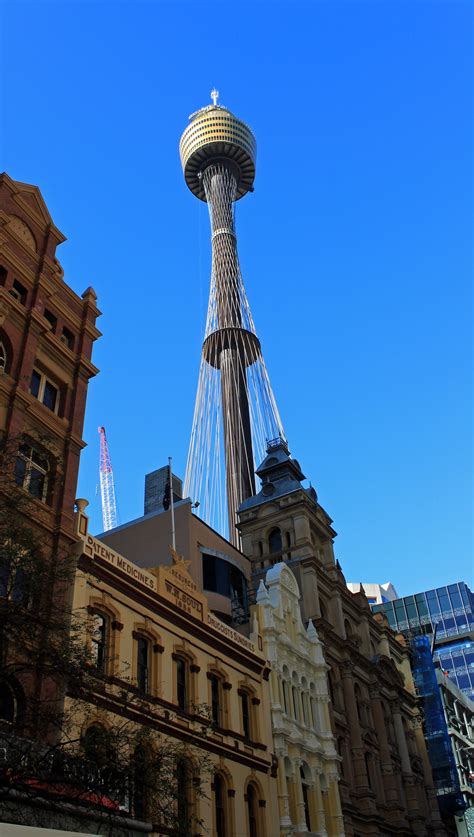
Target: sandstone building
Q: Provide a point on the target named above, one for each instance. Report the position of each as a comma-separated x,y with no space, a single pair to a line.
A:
386,784
308,775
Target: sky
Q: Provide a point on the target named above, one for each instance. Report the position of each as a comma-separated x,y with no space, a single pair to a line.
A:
355,248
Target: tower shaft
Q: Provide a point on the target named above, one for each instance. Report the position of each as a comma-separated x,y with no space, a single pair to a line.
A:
220,186
235,412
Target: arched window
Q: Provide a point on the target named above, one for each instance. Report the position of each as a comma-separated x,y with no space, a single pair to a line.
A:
274,541
99,641
140,770
32,471
331,689
305,790
182,682
7,704
143,664
216,699
220,806
246,713
358,698
294,693
3,357
260,549
182,791
252,811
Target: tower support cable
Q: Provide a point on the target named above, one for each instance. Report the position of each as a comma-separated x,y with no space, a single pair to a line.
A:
235,412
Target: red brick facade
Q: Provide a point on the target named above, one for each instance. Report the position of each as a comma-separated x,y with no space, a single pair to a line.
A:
46,327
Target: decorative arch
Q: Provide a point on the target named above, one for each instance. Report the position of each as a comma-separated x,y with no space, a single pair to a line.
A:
255,804
12,702
275,543
6,353
222,802
22,230
106,634
184,678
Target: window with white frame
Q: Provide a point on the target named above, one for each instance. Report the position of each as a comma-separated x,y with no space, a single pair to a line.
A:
44,390
32,472
3,357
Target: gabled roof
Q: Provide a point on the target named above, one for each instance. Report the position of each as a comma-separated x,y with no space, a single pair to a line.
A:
30,199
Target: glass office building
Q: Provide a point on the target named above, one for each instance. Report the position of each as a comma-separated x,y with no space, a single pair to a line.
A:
451,609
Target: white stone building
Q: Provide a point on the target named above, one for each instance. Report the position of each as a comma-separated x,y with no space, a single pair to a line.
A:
308,771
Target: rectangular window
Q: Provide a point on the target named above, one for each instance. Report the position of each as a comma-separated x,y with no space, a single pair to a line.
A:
18,291
181,682
67,338
444,602
215,700
31,472
433,604
143,664
455,595
44,390
35,383
52,320
244,702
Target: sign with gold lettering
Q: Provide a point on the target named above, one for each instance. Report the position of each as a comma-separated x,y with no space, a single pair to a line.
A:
178,585
97,549
230,633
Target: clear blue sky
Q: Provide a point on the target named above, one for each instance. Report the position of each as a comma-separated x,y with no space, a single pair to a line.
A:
355,246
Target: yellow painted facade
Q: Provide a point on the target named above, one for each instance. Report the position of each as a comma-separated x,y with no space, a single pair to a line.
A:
162,611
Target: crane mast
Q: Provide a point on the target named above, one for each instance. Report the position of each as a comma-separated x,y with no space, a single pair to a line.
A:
107,487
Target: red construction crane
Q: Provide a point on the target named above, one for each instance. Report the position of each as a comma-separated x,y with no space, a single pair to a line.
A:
107,487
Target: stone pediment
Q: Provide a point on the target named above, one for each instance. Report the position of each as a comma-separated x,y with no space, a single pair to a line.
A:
176,584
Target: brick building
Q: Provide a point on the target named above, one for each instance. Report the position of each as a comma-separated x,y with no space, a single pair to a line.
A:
46,336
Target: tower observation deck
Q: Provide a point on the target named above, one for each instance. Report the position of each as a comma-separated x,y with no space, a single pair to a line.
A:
235,412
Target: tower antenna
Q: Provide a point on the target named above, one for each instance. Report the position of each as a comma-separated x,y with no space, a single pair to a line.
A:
107,487
235,413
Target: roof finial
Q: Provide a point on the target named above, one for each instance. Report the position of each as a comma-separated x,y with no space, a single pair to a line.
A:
214,95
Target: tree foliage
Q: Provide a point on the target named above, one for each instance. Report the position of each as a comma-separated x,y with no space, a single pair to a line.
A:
72,741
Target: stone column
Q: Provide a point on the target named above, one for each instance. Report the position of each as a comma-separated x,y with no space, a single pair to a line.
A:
321,830
413,807
361,780
392,797
336,821
283,797
301,824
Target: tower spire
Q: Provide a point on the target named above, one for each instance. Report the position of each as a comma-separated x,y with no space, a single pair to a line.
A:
235,412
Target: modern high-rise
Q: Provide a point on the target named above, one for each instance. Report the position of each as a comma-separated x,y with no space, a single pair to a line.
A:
450,610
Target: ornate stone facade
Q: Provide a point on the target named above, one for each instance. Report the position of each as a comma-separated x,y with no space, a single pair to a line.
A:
385,784
308,775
